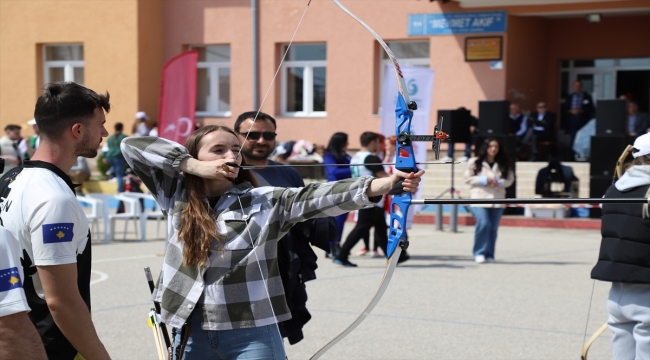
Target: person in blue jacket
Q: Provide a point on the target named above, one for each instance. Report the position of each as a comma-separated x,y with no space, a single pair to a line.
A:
336,154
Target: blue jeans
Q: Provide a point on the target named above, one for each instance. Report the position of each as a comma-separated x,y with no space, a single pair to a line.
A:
262,342
340,223
487,225
118,165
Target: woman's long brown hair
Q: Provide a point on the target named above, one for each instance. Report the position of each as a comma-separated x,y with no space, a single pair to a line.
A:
198,220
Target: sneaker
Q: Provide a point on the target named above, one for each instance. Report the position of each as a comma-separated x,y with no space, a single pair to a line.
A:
344,262
446,159
363,251
335,250
490,260
479,259
463,159
376,254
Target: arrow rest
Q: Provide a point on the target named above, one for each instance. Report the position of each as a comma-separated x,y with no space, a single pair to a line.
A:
412,105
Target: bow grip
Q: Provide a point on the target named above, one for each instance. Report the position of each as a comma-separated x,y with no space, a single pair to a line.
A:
397,188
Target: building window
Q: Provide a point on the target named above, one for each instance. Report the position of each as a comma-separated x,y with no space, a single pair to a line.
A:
213,80
63,63
408,53
303,81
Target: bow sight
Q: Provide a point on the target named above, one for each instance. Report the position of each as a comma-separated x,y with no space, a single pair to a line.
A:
405,138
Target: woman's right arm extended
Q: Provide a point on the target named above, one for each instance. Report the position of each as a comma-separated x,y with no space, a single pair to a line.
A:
156,161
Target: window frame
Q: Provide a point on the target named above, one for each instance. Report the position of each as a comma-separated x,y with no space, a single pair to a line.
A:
213,73
307,86
67,65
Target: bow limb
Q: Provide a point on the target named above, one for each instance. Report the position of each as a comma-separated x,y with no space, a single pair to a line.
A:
388,273
401,84
585,348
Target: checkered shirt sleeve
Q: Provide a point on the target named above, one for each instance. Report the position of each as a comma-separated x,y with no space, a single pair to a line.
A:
241,286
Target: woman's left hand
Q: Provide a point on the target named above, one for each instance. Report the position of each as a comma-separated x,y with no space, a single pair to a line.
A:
411,180
383,185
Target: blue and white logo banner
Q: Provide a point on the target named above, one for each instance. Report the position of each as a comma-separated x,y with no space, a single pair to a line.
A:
457,23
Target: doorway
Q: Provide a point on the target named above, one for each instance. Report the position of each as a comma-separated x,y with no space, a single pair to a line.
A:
607,79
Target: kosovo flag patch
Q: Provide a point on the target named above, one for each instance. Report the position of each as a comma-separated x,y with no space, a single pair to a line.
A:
10,279
57,233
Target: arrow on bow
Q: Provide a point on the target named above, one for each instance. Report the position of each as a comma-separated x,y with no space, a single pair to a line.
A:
253,167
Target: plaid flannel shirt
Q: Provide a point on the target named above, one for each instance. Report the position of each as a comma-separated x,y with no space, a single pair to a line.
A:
231,292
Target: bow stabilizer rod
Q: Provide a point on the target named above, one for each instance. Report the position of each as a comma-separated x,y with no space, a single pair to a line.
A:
531,201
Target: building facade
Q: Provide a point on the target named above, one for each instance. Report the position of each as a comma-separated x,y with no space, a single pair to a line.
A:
331,79
114,46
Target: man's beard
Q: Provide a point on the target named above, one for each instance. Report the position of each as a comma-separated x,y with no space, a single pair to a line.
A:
249,152
85,149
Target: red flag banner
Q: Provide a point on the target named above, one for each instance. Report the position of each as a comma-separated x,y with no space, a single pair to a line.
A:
178,97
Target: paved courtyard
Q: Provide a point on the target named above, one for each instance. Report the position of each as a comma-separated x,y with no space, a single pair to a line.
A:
531,304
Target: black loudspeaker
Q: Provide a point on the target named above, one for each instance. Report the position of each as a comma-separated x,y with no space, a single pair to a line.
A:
456,124
605,151
493,117
611,117
598,185
509,143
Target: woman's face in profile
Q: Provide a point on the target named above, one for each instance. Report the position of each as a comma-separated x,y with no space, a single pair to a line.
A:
219,145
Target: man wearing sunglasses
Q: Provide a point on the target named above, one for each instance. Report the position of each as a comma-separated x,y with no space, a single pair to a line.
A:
258,137
297,260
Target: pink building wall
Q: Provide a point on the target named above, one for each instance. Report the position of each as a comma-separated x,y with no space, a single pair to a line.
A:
532,48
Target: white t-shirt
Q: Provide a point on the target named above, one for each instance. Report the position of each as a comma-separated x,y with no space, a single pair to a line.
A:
12,294
42,212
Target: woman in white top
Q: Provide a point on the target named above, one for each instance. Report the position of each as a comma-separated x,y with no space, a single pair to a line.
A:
488,174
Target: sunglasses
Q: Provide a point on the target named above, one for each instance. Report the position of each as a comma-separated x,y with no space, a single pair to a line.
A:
255,135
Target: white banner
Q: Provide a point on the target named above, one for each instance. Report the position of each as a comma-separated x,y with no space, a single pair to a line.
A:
419,84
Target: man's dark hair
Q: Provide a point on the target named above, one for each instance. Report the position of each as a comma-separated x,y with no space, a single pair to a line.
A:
64,104
368,137
118,127
12,127
251,115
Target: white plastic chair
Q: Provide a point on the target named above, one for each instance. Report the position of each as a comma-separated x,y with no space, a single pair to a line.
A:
96,213
132,211
146,214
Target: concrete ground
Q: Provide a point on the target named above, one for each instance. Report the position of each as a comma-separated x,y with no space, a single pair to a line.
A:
531,304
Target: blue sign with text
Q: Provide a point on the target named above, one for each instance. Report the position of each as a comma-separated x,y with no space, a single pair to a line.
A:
457,23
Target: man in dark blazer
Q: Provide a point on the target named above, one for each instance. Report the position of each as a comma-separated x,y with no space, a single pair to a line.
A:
580,107
541,127
637,122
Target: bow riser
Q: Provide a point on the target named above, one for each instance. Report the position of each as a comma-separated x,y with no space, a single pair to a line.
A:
405,161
